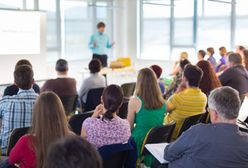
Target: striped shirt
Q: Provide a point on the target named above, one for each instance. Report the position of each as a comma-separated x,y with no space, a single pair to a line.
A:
15,112
190,102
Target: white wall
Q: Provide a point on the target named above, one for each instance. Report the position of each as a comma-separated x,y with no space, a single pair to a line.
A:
7,62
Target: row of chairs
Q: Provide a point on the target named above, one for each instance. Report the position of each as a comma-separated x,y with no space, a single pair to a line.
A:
93,98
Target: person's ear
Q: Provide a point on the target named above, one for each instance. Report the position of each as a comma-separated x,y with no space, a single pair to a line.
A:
213,116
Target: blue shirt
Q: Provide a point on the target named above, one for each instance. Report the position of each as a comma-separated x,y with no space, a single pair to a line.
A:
15,112
213,62
102,43
209,146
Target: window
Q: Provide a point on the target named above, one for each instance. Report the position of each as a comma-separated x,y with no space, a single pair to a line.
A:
214,26
241,23
11,4
80,19
52,29
155,33
78,28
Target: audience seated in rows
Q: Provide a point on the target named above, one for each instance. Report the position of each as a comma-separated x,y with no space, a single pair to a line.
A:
216,145
222,62
13,89
105,127
187,102
176,68
177,79
201,55
48,125
146,109
158,71
63,85
211,59
236,76
73,152
209,79
95,80
16,111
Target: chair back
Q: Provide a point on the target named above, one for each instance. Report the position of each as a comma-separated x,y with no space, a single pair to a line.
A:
128,89
76,121
123,110
15,135
158,134
190,121
119,155
205,118
93,99
69,103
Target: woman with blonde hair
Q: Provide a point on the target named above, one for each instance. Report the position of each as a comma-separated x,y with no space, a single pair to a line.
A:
146,109
176,69
48,125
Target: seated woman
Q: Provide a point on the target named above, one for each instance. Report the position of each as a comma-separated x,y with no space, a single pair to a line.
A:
95,80
209,79
177,79
176,68
105,127
48,125
146,109
158,71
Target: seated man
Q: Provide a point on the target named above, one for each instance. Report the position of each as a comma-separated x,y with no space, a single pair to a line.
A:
95,80
188,102
236,76
63,85
16,111
216,145
73,152
13,89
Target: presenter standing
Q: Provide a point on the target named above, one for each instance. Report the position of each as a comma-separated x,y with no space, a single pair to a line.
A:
99,44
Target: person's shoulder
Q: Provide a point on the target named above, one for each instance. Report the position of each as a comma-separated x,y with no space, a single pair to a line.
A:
89,121
47,82
11,87
26,138
135,100
123,121
199,128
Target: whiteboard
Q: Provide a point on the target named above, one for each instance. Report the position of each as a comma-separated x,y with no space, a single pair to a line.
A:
19,32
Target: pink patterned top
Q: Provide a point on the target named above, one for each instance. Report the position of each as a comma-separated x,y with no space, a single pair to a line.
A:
104,132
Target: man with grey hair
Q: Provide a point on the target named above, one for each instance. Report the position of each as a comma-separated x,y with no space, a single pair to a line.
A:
216,145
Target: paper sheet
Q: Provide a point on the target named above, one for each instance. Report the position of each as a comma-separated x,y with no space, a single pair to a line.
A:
157,150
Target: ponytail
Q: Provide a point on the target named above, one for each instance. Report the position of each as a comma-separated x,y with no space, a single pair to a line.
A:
112,99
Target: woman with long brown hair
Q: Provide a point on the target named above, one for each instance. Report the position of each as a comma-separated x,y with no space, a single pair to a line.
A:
48,125
209,80
146,109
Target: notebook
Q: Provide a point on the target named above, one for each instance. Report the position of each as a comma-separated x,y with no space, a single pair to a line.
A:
157,150
243,112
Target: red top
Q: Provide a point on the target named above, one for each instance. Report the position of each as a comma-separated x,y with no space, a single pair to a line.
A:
23,153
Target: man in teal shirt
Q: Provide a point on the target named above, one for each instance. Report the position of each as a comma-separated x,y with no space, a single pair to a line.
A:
99,44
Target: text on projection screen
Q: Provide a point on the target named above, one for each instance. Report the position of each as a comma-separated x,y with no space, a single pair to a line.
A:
19,32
